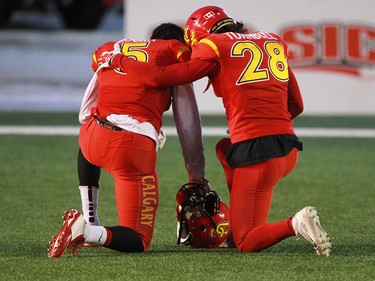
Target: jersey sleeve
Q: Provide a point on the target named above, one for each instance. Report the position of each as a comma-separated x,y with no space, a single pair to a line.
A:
164,76
178,51
295,101
206,49
183,53
102,54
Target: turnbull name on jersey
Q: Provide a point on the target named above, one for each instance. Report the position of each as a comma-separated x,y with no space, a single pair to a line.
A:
256,35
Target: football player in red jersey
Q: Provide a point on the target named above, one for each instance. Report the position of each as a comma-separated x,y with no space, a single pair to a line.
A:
186,116
121,133
261,96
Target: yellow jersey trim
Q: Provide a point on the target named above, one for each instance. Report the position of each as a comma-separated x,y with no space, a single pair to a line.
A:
211,44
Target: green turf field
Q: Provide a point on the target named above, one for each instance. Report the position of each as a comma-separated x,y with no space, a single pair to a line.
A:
38,182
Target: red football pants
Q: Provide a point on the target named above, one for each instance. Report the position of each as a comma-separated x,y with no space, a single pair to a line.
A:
251,189
131,160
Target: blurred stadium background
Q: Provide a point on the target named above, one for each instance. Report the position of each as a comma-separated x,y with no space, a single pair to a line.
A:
47,64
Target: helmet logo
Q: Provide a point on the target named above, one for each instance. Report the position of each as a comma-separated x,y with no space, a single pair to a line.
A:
189,36
208,15
221,229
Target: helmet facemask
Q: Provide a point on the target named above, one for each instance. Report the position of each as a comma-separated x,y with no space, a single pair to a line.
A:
203,219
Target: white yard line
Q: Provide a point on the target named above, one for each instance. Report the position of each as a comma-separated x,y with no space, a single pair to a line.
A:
207,131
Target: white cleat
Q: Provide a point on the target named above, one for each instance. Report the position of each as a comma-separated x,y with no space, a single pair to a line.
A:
306,225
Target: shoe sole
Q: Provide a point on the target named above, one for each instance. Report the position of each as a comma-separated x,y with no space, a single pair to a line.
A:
321,241
58,245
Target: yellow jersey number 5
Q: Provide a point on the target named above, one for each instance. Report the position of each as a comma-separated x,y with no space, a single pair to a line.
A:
135,50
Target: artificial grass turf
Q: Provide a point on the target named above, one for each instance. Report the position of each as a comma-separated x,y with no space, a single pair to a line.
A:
39,182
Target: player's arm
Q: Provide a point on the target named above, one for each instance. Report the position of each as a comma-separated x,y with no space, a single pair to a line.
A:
189,129
295,101
164,76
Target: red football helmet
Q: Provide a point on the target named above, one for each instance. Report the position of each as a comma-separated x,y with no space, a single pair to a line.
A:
203,218
209,231
204,21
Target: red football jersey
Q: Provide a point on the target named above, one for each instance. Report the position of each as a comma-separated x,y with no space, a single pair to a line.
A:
253,82
119,94
249,71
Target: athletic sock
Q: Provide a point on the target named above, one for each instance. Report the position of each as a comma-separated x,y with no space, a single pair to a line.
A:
89,199
95,234
124,239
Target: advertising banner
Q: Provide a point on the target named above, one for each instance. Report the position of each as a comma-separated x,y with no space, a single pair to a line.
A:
331,45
